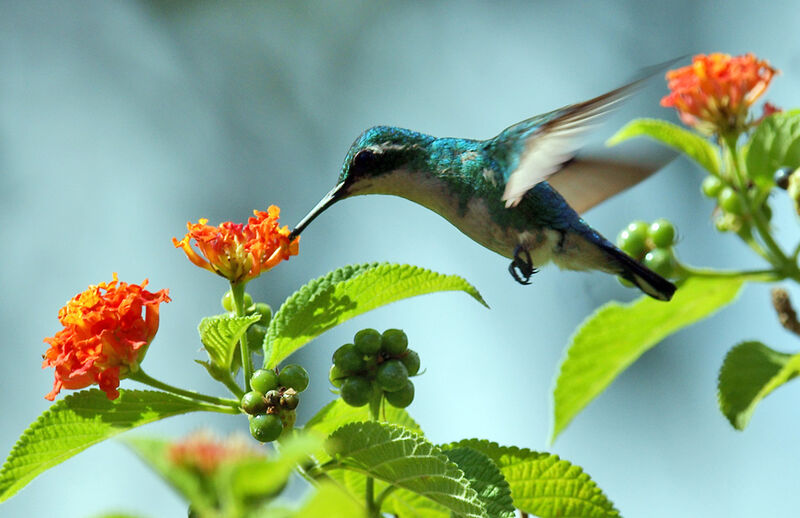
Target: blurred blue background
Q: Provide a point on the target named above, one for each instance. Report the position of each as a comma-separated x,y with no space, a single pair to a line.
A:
120,121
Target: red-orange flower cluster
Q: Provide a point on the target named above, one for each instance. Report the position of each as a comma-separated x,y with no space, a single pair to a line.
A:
105,336
202,452
239,252
714,93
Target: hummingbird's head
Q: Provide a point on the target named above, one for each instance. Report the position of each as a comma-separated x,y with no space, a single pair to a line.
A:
374,155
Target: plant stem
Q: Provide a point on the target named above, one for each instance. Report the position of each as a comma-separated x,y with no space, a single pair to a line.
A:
237,290
234,387
372,509
768,274
229,404
381,497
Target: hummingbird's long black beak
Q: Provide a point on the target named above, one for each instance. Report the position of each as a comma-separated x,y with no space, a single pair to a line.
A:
332,197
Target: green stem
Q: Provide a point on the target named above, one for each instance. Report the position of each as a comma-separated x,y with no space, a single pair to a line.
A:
228,404
381,497
755,216
237,290
234,387
372,508
768,274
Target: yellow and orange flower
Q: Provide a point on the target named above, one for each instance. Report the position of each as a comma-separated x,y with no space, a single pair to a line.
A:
715,92
239,252
105,336
204,453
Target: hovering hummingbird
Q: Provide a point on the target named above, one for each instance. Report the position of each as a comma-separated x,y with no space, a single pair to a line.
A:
508,192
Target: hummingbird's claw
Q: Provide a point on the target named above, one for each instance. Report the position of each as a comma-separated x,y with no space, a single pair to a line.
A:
521,269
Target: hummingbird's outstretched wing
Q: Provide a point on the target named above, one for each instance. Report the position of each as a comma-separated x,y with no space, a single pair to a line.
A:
547,142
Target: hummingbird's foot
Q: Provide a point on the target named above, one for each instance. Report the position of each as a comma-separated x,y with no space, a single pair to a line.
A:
521,268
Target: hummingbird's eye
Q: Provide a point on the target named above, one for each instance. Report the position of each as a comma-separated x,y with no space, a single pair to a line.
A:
363,161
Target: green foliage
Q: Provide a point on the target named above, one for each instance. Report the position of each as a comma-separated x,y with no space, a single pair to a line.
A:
775,143
406,460
345,293
486,479
220,334
598,352
751,371
543,484
691,144
79,421
327,501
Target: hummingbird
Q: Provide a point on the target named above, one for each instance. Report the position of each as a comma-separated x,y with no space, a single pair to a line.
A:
508,193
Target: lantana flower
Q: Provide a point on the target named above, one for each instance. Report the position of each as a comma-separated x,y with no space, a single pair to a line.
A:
204,453
105,336
239,252
715,92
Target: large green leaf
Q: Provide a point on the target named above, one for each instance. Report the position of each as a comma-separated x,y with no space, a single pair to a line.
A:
691,144
544,485
775,143
326,501
345,293
220,334
406,460
79,421
486,479
337,413
751,371
612,338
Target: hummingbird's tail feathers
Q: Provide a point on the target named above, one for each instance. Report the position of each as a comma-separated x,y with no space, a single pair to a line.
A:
644,278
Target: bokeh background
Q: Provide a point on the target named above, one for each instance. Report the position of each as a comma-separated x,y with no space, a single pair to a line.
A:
120,121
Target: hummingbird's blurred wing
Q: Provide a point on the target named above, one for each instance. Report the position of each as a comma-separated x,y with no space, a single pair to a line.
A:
549,141
585,182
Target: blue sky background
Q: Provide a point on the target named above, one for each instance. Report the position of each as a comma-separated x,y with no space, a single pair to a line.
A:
120,121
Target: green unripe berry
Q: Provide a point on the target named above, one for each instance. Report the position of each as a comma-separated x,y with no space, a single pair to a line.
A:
730,201
660,260
633,239
293,376
349,359
290,400
711,186
248,300
625,282
392,375
264,380
368,341
263,309
411,361
254,403
227,301
255,336
356,391
266,427
401,398
394,342
336,376
662,233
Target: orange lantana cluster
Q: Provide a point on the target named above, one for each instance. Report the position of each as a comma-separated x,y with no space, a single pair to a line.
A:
239,252
715,92
204,453
105,336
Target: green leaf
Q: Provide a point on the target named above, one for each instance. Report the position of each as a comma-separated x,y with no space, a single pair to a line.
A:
330,502
775,143
345,293
486,479
337,413
544,485
406,460
220,334
691,144
751,371
79,421
612,338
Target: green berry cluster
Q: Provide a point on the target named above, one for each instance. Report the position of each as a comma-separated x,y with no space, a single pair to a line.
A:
273,399
731,202
651,244
373,364
257,331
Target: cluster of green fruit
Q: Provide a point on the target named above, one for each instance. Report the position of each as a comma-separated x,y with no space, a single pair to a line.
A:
273,399
257,331
650,244
375,364
732,203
